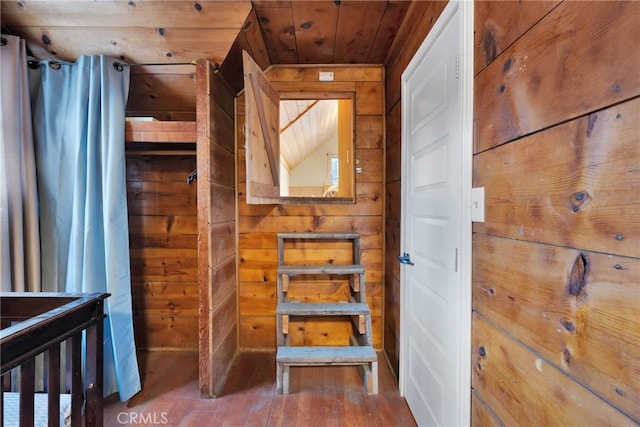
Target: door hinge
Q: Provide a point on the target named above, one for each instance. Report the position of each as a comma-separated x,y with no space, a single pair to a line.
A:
457,66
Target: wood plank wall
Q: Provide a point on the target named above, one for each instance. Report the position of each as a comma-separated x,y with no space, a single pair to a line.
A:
556,328
419,19
163,237
218,326
165,92
556,265
259,224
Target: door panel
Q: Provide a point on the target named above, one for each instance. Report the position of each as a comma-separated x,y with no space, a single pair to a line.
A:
431,228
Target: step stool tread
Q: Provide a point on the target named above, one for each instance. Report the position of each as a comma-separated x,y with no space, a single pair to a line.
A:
325,355
330,236
320,269
318,309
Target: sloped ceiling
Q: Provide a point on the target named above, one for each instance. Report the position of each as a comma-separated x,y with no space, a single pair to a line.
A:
305,124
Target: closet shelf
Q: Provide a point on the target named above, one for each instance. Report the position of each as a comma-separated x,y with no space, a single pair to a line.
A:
170,138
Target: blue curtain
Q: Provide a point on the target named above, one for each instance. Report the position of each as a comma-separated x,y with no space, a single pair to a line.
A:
78,122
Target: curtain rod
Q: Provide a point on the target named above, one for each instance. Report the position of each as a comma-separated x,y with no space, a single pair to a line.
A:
152,64
54,63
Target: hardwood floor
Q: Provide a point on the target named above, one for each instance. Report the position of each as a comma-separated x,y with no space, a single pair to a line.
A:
319,396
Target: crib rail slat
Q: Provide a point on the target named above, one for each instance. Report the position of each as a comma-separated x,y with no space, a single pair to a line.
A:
2,405
76,380
6,382
27,390
53,385
94,367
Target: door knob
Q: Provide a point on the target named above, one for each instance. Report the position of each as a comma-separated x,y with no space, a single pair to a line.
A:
405,258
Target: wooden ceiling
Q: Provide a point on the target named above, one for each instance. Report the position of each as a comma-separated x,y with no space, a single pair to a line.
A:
170,32
136,31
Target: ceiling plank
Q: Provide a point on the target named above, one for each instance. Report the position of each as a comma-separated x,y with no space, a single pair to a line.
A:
249,39
391,21
278,32
189,69
258,48
134,13
315,27
231,68
358,24
298,116
134,45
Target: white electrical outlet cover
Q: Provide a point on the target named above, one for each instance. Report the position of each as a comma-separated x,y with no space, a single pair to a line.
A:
325,76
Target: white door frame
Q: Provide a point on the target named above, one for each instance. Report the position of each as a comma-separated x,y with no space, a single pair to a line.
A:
466,76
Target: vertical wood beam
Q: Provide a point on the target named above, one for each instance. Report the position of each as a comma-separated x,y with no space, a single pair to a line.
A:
203,162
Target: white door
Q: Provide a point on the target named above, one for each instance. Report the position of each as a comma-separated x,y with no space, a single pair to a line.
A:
436,228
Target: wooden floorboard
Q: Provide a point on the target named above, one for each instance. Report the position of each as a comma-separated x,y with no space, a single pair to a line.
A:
319,396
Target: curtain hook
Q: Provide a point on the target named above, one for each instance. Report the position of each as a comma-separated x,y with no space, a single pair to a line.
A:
118,66
33,64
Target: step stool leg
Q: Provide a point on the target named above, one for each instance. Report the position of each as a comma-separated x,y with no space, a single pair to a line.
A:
370,377
374,378
285,380
279,377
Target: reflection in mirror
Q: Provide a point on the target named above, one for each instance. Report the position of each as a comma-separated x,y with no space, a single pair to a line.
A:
316,139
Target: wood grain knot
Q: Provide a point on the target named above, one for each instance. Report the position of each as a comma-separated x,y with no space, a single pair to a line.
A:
578,276
591,123
482,351
490,46
568,325
507,65
579,200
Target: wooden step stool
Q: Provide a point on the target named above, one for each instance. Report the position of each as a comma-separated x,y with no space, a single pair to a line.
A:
359,350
